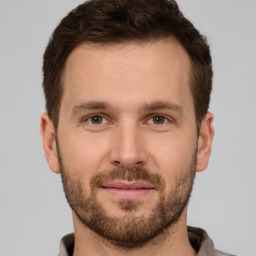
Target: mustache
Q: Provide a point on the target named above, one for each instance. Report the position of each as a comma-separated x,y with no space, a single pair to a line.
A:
128,174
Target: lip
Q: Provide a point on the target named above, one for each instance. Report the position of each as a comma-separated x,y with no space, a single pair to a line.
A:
128,190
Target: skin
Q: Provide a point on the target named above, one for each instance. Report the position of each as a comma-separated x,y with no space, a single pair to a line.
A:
129,79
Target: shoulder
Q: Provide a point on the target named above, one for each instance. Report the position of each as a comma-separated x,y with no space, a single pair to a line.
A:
67,245
202,243
219,253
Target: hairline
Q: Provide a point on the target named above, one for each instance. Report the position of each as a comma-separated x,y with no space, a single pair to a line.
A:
146,41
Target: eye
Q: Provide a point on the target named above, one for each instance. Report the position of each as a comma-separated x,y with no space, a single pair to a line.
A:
96,119
158,120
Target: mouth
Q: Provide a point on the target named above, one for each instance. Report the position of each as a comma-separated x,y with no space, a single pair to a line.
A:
128,190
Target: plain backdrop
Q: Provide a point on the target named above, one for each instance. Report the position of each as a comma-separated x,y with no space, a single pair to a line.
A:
34,214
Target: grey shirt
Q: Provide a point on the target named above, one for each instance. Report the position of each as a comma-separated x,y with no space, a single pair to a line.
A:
198,238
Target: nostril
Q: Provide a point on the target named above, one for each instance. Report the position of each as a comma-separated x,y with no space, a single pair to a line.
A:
126,165
117,163
139,163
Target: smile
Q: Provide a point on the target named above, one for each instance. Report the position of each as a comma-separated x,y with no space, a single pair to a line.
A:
128,190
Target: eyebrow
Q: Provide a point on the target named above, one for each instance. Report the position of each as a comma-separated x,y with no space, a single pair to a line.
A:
160,105
92,105
147,107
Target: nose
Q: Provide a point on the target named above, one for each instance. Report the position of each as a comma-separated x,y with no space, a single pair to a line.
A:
128,148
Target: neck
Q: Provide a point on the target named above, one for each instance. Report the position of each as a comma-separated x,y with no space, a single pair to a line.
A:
174,241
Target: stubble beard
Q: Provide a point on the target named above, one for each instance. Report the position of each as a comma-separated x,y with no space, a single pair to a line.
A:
129,231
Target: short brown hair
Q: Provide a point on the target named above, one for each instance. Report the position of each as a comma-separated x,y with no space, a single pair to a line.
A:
121,21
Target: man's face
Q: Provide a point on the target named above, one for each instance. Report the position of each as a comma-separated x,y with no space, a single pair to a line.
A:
127,140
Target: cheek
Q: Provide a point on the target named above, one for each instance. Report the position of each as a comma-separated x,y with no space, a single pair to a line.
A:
171,158
81,161
82,155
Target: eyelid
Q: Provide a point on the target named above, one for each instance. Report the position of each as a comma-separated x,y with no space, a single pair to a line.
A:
86,118
168,119
104,120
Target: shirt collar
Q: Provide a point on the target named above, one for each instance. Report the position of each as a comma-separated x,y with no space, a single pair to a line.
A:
198,238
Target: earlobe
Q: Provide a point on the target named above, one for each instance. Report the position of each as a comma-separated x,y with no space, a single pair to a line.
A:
205,142
49,142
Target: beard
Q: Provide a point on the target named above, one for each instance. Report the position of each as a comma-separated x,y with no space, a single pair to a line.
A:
129,231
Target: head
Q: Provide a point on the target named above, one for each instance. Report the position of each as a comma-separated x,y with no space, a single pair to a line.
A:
119,22
127,86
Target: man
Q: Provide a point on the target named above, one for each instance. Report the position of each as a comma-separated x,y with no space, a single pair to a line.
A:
127,86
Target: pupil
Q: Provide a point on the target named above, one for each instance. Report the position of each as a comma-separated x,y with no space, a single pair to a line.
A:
97,119
158,120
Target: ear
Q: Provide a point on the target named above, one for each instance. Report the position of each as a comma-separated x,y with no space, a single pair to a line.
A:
205,142
49,142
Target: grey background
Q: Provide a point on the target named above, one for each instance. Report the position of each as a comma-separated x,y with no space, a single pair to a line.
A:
34,214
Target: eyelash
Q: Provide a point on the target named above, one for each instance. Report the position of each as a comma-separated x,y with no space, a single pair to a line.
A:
88,118
165,121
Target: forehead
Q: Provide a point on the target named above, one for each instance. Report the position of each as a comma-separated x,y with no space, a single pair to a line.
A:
153,70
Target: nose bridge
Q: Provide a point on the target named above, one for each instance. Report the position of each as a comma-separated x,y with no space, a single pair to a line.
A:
128,150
